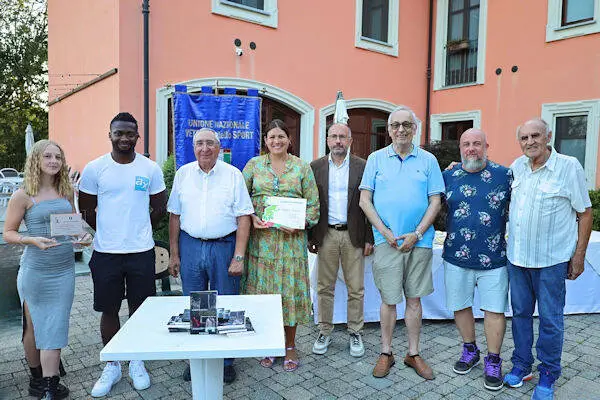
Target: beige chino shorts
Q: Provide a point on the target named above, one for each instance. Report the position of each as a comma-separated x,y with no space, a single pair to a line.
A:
398,274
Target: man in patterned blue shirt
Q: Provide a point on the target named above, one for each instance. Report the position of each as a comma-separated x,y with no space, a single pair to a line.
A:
477,196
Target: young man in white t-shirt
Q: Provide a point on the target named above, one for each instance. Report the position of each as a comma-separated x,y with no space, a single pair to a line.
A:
116,192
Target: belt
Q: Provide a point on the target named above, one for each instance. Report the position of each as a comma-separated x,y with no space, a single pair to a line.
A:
339,227
218,239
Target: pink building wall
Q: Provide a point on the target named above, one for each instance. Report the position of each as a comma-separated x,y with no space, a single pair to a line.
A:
559,71
83,41
311,54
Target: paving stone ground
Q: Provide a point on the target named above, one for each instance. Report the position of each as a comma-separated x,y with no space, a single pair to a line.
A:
335,375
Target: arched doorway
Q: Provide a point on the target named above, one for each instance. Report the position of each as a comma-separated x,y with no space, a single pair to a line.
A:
368,122
369,132
270,110
283,103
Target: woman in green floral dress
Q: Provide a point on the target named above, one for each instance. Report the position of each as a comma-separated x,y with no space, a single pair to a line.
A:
277,257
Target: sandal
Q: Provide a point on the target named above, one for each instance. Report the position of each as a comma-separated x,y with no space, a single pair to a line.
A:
290,365
267,362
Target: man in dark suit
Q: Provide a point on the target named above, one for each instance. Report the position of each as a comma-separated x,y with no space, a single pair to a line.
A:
342,234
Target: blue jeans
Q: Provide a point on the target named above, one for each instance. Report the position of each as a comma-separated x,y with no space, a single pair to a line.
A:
546,286
207,262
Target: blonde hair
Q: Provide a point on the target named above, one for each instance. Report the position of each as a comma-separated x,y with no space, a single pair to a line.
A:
33,171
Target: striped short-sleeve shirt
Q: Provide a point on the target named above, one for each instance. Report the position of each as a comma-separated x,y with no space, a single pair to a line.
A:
542,220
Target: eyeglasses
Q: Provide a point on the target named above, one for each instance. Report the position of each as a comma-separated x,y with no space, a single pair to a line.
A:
407,125
276,184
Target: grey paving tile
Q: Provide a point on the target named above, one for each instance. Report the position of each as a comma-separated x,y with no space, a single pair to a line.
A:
335,375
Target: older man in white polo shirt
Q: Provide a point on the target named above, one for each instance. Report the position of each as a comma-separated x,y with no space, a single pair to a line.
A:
549,229
209,224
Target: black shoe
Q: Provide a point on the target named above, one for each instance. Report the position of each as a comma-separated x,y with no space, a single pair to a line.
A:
51,392
37,386
187,376
229,374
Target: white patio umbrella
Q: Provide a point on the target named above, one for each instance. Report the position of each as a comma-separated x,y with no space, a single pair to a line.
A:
340,116
29,139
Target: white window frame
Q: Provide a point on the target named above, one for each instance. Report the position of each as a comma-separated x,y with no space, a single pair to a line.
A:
391,46
436,120
441,35
550,111
554,30
266,17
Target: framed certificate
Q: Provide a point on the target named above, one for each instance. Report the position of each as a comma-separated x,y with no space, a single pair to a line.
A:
285,211
70,228
66,225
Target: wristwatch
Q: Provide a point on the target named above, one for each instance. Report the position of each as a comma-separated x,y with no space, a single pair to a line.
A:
238,258
418,234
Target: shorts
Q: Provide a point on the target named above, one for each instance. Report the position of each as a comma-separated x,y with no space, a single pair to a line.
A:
119,276
492,287
398,274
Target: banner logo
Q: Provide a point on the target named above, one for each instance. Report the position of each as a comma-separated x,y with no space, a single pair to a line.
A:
236,119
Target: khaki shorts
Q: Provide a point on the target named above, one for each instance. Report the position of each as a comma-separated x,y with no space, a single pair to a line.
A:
398,274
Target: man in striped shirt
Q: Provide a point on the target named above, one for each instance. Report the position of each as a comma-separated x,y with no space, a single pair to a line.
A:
550,223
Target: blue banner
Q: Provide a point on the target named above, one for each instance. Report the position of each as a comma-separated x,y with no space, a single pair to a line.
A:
236,119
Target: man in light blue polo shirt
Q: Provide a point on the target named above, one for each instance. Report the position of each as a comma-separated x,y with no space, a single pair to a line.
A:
400,195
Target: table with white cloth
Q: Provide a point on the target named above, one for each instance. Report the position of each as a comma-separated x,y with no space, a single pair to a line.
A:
145,337
583,294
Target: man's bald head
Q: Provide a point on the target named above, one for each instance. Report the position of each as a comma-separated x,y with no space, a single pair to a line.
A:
473,149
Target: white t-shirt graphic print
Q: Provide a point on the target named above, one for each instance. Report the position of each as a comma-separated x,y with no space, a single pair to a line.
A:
123,213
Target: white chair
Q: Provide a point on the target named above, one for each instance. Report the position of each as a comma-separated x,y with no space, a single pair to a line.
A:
7,188
9,173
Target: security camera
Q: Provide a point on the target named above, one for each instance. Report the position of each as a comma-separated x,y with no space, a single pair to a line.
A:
239,51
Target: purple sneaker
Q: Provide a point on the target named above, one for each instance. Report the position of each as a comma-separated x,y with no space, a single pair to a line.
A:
492,372
468,359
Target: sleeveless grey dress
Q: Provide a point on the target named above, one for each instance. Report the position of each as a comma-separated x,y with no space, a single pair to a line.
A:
46,279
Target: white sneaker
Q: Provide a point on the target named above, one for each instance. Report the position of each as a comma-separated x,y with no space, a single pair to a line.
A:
357,348
110,375
139,375
321,344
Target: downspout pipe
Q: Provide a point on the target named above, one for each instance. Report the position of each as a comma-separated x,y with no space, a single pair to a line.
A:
146,13
429,51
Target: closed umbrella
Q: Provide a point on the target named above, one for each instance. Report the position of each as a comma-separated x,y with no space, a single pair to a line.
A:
340,116
29,139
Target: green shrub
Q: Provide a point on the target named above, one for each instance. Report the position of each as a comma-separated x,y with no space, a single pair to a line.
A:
595,197
162,230
446,151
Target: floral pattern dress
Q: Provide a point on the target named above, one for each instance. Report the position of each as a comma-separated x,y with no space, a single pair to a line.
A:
277,261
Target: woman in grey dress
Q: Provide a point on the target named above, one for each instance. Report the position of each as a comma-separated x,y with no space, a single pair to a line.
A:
46,279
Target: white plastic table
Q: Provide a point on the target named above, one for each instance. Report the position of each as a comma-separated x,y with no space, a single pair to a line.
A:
145,337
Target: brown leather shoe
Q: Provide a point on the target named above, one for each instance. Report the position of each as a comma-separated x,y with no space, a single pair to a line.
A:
384,363
419,365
